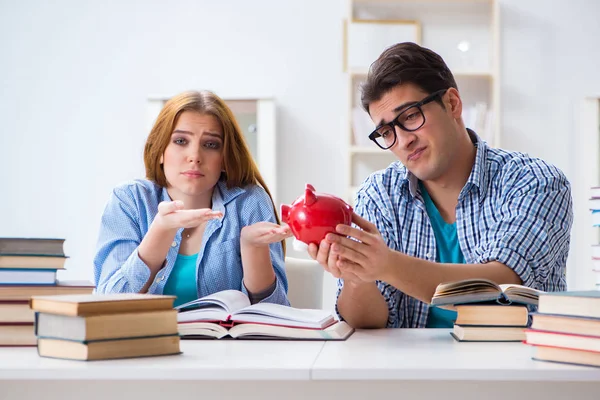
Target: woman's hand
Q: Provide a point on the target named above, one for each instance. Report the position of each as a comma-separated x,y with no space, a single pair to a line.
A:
263,233
171,215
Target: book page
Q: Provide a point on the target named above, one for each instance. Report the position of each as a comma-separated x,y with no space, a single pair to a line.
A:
338,331
466,291
226,300
206,329
465,287
519,288
277,314
521,294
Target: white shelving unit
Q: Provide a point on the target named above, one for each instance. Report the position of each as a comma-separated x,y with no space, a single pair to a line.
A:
585,237
256,118
464,32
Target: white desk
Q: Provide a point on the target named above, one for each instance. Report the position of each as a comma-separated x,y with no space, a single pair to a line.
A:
380,364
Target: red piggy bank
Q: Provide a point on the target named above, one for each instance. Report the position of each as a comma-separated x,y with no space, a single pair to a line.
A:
312,216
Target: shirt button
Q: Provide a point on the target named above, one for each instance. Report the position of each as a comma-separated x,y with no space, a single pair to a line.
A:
428,255
158,279
174,244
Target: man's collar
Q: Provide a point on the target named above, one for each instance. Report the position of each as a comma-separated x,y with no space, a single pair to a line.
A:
478,176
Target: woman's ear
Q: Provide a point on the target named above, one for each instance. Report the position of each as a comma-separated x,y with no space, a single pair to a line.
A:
161,160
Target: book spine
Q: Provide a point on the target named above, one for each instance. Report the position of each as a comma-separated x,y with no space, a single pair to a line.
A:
228,323
503,299
35,324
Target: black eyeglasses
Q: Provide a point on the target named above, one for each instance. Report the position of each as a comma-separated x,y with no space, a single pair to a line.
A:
410,119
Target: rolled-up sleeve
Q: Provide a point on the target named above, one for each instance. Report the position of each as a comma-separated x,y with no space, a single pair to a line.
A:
117,265
258,207
532,225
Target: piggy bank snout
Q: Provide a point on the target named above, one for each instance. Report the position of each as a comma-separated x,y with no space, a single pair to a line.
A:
285,213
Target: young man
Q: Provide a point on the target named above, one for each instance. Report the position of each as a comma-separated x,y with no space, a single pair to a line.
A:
452,208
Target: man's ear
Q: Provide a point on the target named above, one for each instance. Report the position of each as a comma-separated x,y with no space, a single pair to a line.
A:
454,102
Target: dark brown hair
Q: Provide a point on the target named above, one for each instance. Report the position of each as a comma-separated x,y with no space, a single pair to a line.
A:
406,63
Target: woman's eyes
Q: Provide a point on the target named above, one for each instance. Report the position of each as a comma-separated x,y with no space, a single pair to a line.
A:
211,144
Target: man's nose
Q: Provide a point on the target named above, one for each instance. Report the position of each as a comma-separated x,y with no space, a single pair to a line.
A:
404,138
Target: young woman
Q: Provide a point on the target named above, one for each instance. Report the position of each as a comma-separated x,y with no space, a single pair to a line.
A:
203,221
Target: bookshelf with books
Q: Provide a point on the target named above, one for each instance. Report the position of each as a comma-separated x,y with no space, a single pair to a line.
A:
594,206
464,32
585,188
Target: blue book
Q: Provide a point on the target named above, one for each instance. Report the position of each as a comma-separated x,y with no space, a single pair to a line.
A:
27,276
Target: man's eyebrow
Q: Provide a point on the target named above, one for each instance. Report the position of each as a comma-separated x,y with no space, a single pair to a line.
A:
398,109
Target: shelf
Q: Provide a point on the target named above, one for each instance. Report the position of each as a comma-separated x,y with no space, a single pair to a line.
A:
360,72
420,1
366,150
472,74
465,33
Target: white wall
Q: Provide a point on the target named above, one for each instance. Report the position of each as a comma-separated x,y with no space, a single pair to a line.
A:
74,78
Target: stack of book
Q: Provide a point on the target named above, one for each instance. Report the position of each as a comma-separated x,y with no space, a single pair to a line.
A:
596,265
98,327
566,328
28,267
229,314
487,312
595,210
29,261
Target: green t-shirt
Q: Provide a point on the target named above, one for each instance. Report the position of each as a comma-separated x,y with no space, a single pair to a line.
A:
182,280
448,251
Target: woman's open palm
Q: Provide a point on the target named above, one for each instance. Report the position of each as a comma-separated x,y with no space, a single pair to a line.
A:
172,215
263,233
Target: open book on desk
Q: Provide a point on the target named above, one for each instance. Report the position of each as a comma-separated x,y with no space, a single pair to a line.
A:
229,313
481,291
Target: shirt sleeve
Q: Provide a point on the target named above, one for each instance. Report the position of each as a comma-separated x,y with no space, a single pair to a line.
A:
117,265
258,207
532,227
367,208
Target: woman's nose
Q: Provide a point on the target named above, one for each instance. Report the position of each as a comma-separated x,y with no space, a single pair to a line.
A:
195,157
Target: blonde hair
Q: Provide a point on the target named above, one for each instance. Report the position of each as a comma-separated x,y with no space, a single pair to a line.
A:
240,168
